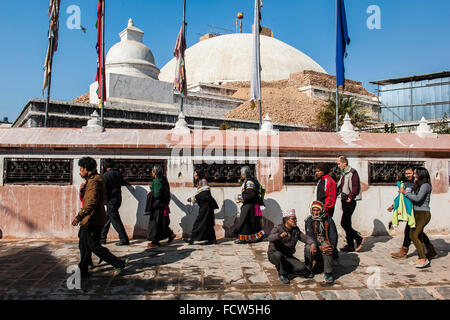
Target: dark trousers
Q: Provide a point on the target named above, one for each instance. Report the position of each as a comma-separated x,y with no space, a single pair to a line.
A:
89,242
323,262
113,217
407,238
346,222
286,265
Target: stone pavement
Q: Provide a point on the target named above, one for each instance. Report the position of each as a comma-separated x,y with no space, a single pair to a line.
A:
226,271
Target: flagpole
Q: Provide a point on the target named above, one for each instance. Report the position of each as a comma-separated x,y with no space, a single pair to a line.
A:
184,37
102,73
337,87
49,81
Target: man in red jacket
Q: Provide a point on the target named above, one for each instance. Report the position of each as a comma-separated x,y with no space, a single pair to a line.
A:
326,188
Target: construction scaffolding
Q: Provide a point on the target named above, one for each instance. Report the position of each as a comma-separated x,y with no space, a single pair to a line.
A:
411,98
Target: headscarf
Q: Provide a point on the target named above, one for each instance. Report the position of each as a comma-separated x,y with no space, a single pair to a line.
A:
159,172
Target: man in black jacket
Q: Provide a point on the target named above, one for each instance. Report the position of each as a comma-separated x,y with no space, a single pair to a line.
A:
322,229
114,181
282,242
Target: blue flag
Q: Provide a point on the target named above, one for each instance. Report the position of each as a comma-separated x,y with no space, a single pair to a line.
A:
342,41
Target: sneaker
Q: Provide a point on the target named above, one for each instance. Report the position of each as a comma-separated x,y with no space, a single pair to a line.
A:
359,244
172,236
189,241
283,279
424,265
211,242
329,278
348,248
117,271
238,241
309,274
122,243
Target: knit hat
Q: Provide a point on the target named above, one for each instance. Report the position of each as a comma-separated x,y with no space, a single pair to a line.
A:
317,204
288,213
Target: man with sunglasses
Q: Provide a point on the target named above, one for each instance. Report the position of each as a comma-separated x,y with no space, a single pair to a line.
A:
282,242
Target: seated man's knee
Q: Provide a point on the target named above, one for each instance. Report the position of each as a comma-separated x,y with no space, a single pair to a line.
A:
276,256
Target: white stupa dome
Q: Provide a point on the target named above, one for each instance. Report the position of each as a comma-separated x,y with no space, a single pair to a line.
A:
228,58
130,56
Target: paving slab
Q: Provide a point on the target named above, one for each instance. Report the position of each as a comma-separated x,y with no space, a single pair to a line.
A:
417,294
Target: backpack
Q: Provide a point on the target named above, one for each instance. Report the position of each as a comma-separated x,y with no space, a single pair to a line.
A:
261,194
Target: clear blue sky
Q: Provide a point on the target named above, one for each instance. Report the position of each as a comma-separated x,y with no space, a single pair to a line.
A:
414,39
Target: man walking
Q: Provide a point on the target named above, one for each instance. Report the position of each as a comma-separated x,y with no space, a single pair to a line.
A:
282,242
350,189
91,219
326,188
114,181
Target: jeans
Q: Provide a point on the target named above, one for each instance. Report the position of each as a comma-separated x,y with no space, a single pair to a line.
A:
346,222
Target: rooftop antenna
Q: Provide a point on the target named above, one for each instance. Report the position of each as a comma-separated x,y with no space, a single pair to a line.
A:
218,34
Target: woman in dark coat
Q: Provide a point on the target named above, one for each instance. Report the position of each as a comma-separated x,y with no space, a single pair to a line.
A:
249,227
158,208
204,224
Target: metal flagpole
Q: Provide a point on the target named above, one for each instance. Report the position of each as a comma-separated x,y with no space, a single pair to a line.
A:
102,73
184,38
337,87
259,63
49,82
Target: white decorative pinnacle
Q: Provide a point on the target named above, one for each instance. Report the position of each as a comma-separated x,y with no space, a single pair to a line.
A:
267,126
130,23
94,124
347,129
181,125
424,130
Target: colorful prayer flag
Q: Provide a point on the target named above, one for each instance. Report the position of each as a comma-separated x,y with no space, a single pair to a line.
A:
53,12
100,76
180,82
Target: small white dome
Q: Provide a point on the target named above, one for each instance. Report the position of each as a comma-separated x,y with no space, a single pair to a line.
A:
130,56
228,58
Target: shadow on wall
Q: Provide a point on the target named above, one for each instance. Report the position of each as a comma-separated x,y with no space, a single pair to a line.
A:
271,215
191,212
229,214
1,234
140,228
22,220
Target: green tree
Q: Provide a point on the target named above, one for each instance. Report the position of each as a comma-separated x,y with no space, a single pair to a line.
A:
327,115
224,126
441,127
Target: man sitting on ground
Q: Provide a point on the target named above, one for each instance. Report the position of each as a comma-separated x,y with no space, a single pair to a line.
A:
282,242
322,229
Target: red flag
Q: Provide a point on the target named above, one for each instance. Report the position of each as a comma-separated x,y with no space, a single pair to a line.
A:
53,12
100,77
180,82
